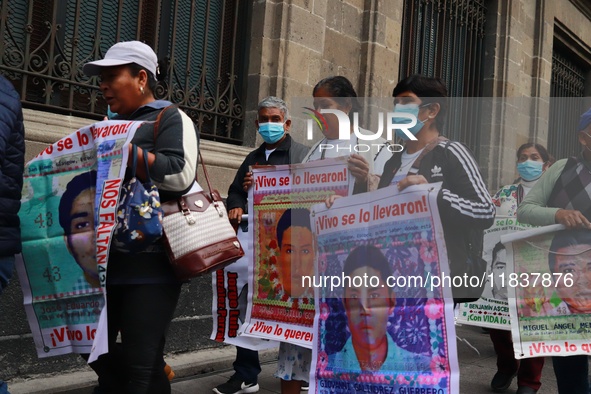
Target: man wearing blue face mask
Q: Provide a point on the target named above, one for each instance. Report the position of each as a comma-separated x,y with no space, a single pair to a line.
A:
278,148
464,204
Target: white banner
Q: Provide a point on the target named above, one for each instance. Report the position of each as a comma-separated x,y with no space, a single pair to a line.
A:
549,296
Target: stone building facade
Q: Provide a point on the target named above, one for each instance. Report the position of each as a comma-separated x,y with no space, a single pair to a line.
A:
527,48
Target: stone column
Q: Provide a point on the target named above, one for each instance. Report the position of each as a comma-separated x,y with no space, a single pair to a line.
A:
512,55
287,44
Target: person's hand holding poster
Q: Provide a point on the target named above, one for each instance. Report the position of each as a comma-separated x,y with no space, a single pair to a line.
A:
381,322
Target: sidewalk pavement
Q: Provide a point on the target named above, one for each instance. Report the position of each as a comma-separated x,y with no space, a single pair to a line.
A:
200,372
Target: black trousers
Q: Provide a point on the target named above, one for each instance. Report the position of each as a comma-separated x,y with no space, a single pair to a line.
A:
246,366
572,374
141,314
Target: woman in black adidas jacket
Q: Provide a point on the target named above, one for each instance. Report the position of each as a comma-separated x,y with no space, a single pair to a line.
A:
464,203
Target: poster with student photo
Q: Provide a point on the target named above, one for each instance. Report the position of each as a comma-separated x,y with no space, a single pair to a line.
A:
387,328
59,271
550,300
230,299
492,309
279,307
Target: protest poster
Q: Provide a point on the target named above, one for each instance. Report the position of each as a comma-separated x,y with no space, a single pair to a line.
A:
279,307
381,324
549,291
68,210
230,298
492,309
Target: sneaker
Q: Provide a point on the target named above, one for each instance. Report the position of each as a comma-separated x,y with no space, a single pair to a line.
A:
305,386
501,381
235,386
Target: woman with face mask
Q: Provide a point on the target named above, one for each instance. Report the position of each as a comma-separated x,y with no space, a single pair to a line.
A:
336,92
366,158
532,160
465,206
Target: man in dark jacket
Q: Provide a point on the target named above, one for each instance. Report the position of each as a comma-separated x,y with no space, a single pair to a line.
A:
278,148
12,161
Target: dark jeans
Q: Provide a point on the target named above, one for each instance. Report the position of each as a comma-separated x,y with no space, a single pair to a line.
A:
529,370
142,314
246,366
571,374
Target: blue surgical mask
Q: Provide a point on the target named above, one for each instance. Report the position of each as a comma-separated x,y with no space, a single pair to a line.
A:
412,109
110,115
530,170
271,132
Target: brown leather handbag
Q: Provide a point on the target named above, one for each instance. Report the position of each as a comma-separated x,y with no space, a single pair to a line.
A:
197,233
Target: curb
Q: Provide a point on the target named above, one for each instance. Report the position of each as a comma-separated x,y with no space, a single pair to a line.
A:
185,366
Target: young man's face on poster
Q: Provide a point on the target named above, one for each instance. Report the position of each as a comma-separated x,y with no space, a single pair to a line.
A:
296,258
498,269
368,309
574,261
81,239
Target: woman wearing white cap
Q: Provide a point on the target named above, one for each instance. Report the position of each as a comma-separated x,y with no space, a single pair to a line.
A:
142,291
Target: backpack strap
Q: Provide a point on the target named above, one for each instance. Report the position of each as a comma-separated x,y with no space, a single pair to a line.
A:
428,148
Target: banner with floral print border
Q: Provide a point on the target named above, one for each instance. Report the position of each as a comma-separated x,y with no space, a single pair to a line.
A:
421,353
273,312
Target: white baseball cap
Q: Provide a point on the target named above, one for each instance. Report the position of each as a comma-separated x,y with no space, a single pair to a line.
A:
125,53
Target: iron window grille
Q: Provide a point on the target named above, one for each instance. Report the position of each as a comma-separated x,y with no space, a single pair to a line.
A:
445,39
200,46
567,86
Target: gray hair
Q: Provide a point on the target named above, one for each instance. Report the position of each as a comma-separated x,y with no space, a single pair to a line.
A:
275,102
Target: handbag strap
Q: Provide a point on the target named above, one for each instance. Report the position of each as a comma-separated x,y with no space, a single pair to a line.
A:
209,188
145,155
205,173
158,118
183,206
134,155
133,159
